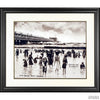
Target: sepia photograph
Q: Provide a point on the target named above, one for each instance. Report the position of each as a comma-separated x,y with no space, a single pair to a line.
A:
50,50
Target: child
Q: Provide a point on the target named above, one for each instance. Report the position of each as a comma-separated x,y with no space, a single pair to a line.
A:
82,66
44,70
25,63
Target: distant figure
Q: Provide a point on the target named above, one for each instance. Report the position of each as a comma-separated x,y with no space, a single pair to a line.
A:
72,51
20,50
68,53
84,53
78,54
26,53
64,64
57,52
17,54
63,51
74,54
35,60
42,54
82,66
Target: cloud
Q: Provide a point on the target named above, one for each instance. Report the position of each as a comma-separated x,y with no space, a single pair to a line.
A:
78,27
47,28
64,31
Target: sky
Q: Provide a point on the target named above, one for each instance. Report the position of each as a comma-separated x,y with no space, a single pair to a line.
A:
64,31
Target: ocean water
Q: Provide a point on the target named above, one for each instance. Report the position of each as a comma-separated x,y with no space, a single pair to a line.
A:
72,70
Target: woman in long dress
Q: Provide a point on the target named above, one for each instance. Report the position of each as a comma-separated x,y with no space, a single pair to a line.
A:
44,65
40,62
50,56
30,58
57,62
64,64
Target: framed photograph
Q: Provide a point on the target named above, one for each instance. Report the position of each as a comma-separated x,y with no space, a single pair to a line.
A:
49,50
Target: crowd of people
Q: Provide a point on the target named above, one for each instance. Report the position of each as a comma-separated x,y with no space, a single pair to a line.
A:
49,58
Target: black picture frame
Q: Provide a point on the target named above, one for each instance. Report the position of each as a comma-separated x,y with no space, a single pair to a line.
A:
3,12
